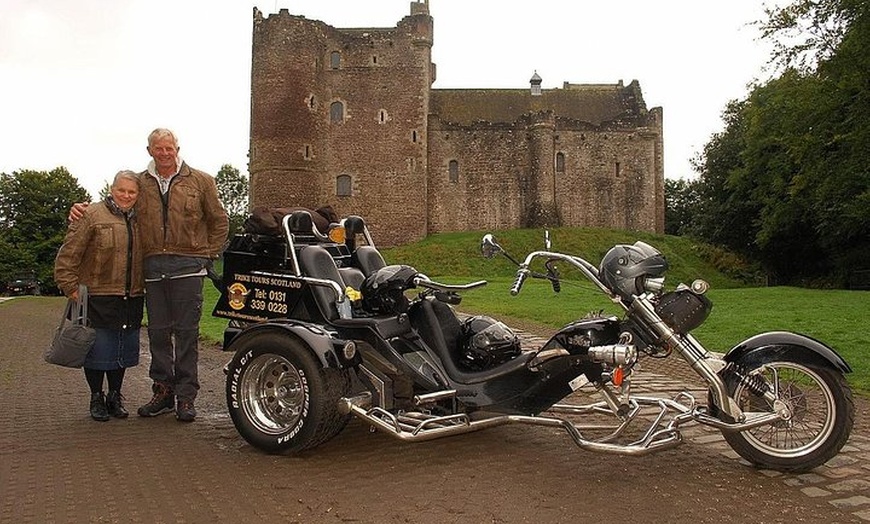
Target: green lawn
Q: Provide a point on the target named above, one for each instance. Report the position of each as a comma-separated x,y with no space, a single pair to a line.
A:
835,317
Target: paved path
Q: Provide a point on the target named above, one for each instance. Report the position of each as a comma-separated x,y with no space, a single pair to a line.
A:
843,482
57,465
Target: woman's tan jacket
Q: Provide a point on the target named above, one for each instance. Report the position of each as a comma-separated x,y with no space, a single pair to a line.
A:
97,252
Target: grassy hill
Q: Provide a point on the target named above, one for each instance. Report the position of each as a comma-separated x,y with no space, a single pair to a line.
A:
740,309
458,254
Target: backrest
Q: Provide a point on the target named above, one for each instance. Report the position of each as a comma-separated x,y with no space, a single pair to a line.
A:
368,259
315,261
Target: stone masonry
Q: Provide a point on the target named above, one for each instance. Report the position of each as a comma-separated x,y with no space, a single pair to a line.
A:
348,117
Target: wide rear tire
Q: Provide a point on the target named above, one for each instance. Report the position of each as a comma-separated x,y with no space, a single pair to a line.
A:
280,398
823,413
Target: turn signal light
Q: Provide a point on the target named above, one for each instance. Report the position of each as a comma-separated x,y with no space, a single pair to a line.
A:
337,235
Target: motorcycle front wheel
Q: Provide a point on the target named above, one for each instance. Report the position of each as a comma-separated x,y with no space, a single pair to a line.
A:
822,410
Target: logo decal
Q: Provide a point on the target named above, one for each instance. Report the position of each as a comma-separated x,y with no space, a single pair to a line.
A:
238,294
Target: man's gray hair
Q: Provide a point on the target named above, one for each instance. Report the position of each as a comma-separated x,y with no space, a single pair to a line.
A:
162,132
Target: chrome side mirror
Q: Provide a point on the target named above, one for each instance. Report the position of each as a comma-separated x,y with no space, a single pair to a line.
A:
489,247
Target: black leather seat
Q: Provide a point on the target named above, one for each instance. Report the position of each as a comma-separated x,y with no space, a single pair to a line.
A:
315,261
368,259
438,326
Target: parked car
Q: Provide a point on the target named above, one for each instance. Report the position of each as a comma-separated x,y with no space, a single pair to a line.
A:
24,285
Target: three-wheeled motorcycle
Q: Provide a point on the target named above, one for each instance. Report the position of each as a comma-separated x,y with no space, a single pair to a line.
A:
323,330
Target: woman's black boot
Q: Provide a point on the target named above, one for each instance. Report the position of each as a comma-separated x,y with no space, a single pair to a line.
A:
98,407
115,406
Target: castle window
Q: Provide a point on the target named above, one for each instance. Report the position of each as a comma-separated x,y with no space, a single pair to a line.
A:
617,172
312,102
382,116
343,185
453,170
375,60
307,153
334,60
336,112
414,137
560,162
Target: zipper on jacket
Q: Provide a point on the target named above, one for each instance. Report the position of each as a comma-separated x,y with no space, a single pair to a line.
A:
129,280
164,198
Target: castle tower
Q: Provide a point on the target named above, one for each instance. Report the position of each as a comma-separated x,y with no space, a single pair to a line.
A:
542,211
339,117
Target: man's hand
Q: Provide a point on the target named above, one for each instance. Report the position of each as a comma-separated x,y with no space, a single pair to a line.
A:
77,211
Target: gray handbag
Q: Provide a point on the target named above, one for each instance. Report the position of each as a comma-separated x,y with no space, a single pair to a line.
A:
73,338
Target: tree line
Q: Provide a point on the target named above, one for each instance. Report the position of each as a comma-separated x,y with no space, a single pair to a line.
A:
787,181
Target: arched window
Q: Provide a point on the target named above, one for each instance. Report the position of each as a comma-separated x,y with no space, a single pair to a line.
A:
336,112
343,186
560,162
453,170
334,60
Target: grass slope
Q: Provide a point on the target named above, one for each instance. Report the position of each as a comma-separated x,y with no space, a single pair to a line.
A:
740,311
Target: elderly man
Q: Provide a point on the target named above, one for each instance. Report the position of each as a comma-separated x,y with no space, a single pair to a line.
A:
183,228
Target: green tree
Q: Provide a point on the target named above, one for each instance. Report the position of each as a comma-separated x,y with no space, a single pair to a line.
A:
806,33
724,213
787,180
105,191
33,211
233,192
681,205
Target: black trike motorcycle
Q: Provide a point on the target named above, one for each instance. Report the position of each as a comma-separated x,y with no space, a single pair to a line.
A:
322,330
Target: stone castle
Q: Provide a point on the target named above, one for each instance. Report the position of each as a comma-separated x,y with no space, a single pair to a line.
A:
349,118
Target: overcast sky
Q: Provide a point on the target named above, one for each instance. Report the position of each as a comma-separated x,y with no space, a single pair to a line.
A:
83,82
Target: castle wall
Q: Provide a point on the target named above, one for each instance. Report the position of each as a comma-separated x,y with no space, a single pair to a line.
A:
508,177
491,190
395,138
609,180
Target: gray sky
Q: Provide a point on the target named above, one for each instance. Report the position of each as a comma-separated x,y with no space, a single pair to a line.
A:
85,81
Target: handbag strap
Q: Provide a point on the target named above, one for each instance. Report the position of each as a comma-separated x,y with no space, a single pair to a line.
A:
82,313
68,313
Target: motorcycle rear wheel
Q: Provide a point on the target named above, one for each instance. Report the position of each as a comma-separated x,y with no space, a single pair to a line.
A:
822,417
279,397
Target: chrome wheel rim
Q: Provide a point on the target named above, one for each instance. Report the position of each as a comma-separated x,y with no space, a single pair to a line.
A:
272,394
808,398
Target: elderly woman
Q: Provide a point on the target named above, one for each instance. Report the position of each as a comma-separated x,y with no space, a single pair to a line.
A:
103,252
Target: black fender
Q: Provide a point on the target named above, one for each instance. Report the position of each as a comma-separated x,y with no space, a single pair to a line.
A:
323,344
765,347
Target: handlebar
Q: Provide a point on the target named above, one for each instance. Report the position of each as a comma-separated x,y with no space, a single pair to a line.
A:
522,275
424,281
589,270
